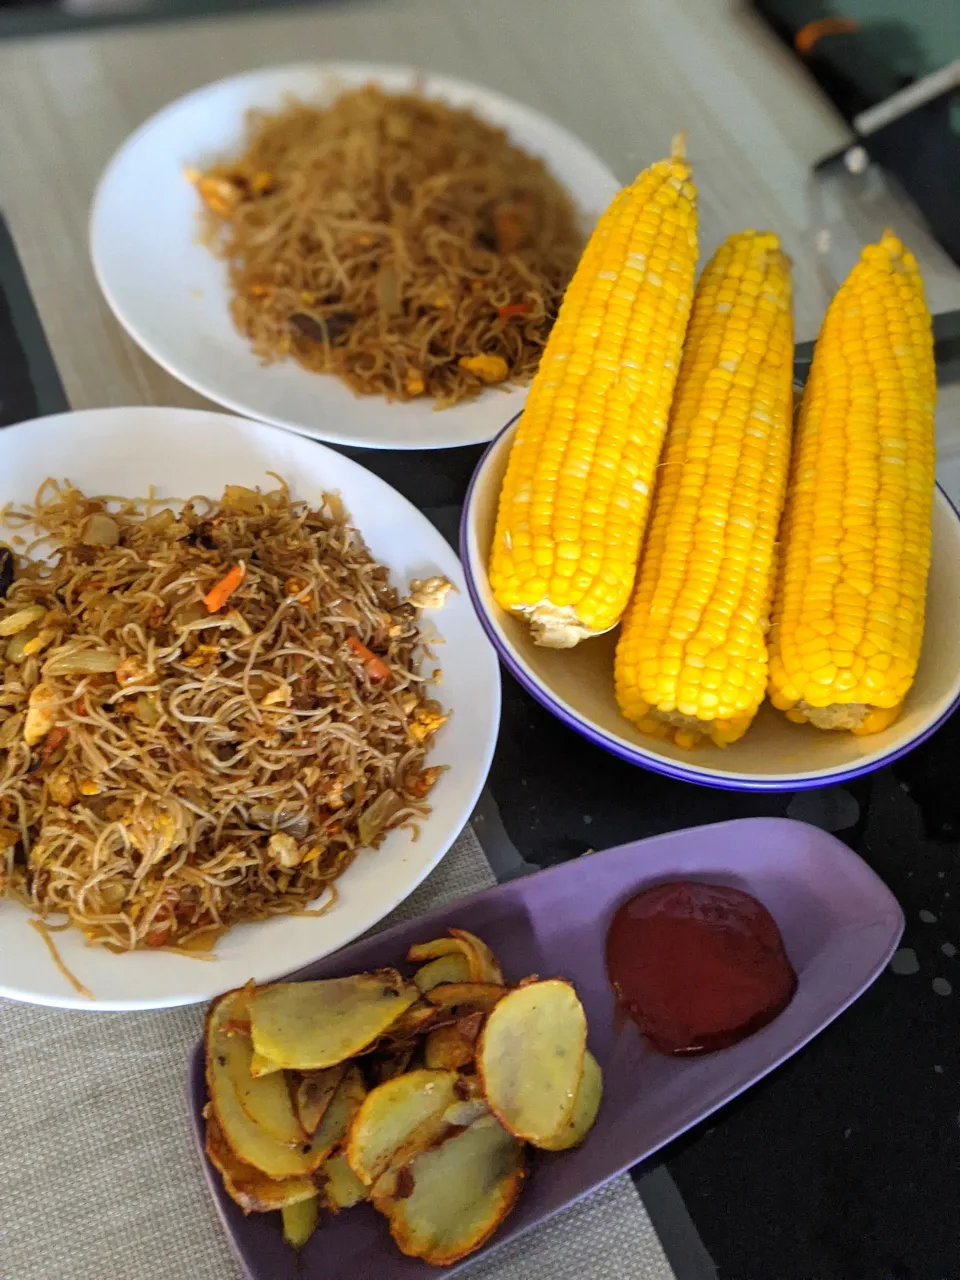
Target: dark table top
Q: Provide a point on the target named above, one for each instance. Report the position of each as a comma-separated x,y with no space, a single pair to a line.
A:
844,1164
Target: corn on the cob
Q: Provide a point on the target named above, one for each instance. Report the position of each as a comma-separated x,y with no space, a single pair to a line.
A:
692,658
849,607
576,492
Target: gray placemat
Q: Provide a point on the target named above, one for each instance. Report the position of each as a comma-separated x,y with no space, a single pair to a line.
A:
100,1180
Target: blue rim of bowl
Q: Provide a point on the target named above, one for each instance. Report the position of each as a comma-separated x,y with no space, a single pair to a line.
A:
636,755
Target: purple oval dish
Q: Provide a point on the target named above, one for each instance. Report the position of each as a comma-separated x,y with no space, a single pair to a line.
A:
840,925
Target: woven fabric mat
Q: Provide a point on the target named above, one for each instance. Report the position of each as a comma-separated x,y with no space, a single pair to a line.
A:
100,1180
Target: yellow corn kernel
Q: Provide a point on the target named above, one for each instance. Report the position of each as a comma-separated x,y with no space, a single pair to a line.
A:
413,383
692,653
849,607
219,195
39,642
577,489
296,587
877,719
489,369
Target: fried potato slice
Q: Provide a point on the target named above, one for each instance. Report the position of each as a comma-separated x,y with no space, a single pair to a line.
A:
449,968
400,1115
340,1114
261,1066
437,947
237,1027
481,960
530,1059
447,1201
253,1191
342,1189
448,1049
382,1067
460,1115
481,963
476,995
312,1094
265,1101
415,1021
470,1087
585,1108
246,1139
300,1221
470,1025
304,1026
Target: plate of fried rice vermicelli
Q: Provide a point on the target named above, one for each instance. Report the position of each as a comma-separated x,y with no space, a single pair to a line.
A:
245,706
365,254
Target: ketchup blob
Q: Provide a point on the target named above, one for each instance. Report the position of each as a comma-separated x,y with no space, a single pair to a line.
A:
697,966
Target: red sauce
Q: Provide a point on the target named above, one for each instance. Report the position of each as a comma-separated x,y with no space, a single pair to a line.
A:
698,967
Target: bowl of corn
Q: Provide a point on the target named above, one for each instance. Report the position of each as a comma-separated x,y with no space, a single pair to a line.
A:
697,566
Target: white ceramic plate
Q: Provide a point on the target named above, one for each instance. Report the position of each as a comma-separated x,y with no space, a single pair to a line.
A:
180,452
170,294
774,755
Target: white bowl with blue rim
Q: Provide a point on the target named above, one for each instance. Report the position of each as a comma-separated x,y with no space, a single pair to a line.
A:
775,755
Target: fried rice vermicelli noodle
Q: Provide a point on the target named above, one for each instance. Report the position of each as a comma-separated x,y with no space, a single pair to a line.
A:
204,713
402,244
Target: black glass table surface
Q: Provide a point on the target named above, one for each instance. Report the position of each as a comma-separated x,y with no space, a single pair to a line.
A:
841,1165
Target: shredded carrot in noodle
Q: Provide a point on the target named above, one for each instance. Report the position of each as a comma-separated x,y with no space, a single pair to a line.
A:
218,595
377,669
